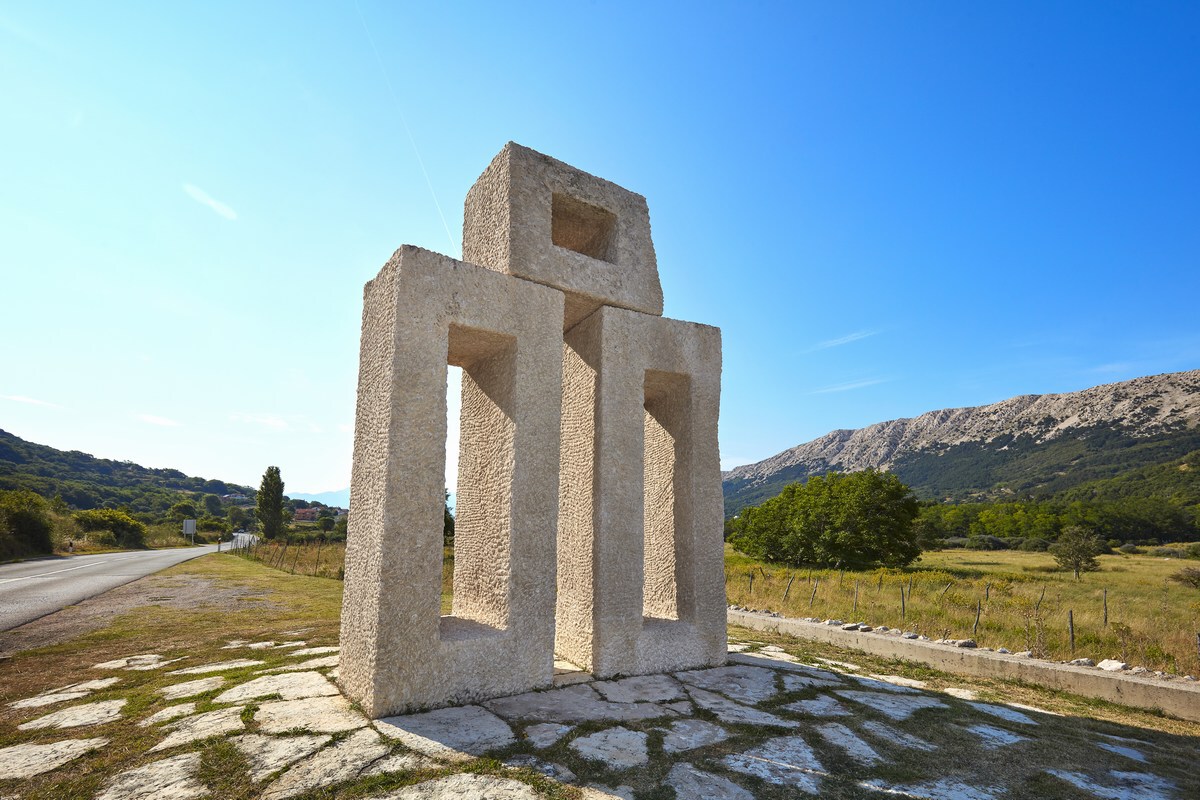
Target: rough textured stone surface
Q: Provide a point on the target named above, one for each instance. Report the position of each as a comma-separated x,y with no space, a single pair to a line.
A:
218,666
169,779
201,726
746,684
840,736
315,651
1120,785
822,706
731,712
881,731
598,792
400,762
798,683
786,761
315,714
572,704
167,714
78,716
545,734
27,760
343,761
138,663
1004,712
535,217
1122,750
639,579
898,707
688,734
554,771
192,688
462,787
618,748
455,734
398,654
74,691
992,736
641,689
268,754
687,781
312,663
291,686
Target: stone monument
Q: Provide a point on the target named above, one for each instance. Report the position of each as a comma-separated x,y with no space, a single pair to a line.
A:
589,494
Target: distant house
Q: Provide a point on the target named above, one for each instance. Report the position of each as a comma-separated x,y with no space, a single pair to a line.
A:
306,514
234,498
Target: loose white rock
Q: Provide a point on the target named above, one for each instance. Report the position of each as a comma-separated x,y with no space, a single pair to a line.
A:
268,754
730,712
641,689
897,707
453,734
687,781
219,666
314,714
688,734
201,726
290,686
840,736
78,716
785,761
343,761
26,760
545,734
746,684
167,714
617,748
1082,662
171,778
1112,665
191,688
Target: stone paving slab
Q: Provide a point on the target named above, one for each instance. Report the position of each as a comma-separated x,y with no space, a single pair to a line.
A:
689,782
735,713
138,663
26,760
201,726
544,734
169,779
167,714
289,686
617,748
580,703
219,666
785,761
73,691
313,663
689,734
897,707
454,734
78,716
343,761
744,684
641,689
315,715
464,787
191,688
268,754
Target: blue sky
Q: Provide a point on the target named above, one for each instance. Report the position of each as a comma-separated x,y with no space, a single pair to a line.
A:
887,207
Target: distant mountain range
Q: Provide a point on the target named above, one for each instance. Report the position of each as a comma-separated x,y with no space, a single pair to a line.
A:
339,498
1028,446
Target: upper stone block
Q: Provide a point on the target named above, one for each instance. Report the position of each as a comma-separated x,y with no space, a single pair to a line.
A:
534,217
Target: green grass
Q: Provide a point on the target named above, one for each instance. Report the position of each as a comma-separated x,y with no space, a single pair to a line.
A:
1152,621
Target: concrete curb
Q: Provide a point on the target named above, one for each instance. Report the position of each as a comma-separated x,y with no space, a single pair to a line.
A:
1174,698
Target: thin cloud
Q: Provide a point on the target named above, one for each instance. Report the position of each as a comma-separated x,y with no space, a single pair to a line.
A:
29,401
162,422
847,387
203,198
841,340
264,420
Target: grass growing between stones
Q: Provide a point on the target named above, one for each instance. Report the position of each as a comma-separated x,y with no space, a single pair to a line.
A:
1152,621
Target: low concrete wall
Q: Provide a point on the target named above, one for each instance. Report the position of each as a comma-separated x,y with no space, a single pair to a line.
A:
1176,698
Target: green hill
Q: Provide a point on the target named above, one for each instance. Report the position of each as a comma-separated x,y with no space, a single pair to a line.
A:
84,481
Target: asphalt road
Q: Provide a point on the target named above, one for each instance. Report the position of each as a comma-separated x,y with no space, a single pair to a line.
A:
33,589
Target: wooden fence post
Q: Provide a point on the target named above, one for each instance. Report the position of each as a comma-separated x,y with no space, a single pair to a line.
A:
813,596
791,578
751,576
1071,629
855,597
903,608
948,585
1106,606
975,627
1038,607
987,591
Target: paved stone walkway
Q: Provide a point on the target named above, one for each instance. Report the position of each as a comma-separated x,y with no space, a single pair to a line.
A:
766,725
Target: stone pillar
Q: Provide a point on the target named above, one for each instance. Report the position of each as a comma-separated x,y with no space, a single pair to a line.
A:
422,312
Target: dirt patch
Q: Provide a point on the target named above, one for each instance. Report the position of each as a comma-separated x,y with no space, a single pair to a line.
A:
169,591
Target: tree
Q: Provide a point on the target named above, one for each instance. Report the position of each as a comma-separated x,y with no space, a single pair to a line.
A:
325,523
447,523
858,520
1076,550
181,511
237,518
269,509
127,531
212,504
25,524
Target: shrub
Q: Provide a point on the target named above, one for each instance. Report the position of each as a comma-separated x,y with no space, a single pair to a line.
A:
1168,552
1188,576
986,543
1193,550
1131,549
955,542
1035,545
126,530
25,524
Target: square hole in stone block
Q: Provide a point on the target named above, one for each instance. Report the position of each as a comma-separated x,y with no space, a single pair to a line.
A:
584,228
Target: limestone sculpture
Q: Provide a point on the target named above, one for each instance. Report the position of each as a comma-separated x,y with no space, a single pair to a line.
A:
589,500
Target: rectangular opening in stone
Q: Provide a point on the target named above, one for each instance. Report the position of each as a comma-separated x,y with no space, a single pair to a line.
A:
582,227
667,429
453,414
483,492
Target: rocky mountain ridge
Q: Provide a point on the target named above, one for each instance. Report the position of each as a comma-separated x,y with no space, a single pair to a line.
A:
1144,407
